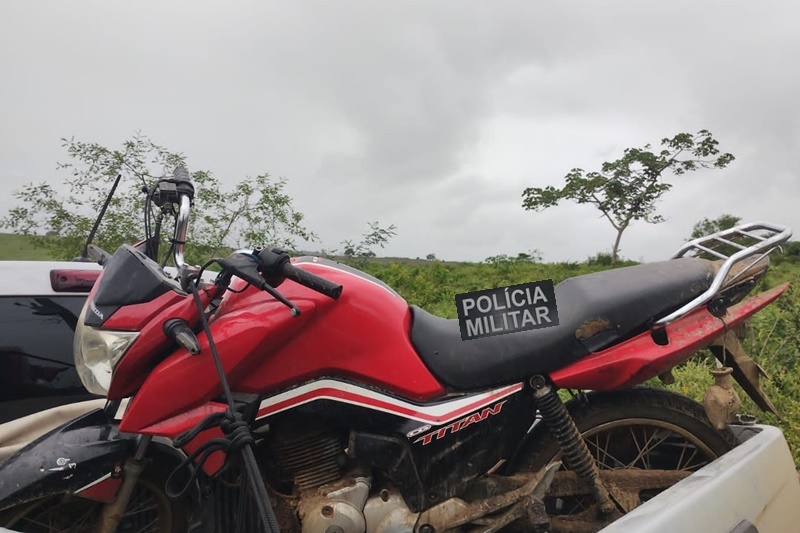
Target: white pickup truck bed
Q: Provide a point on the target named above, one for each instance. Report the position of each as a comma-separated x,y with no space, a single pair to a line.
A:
754,488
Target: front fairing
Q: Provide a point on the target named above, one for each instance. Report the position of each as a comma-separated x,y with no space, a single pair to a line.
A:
129,278
133,294
65,460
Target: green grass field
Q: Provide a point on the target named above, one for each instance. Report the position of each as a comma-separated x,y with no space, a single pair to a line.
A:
20,248
773,334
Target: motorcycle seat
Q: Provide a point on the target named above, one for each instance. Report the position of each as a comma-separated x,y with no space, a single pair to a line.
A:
594,310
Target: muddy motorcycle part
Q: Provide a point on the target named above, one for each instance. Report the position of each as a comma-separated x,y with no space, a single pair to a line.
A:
575,453
132,469
643,441
149,510
65,459
75,467
507,507
747,373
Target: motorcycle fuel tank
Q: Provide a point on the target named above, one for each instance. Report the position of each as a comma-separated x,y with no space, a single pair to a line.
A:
361,337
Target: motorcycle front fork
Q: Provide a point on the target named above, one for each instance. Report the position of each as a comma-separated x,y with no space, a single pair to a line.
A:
131,471
574,452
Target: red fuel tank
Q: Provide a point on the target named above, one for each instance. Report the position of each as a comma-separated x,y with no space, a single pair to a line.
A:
362,337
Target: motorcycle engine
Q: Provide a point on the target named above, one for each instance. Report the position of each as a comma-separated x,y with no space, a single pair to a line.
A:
309,460
310,466
307,456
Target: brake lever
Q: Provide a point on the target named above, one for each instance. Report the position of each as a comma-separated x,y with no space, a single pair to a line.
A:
293,309
245,266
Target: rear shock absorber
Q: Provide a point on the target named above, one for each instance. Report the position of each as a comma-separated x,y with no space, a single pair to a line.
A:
575,454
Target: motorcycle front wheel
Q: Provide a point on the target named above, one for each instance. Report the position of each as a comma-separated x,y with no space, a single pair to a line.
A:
643,440
149,511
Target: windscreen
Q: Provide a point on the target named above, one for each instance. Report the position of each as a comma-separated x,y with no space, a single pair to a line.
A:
130,277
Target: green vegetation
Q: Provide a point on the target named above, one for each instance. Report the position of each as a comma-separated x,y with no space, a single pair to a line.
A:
707,226
20,248
627,189
58,217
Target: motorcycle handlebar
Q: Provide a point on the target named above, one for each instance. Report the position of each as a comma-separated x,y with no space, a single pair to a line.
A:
185,191
276,262
180,174
312,281
181,225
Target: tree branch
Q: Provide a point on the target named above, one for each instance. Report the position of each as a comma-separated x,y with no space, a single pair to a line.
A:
602,210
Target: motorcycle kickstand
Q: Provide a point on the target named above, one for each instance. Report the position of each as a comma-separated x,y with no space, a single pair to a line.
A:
131,471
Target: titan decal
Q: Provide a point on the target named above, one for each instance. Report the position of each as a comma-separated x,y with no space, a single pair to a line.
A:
458,425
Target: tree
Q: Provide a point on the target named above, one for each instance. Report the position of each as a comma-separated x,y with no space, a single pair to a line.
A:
255,211
627,189
358,253
707,226
430,257
531,256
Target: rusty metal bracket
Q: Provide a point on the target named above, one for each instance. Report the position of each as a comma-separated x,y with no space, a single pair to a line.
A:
747,373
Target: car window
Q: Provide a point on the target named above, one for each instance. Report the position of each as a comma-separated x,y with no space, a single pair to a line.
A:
36,366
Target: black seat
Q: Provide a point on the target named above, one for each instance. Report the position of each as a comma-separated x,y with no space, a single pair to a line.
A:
594,311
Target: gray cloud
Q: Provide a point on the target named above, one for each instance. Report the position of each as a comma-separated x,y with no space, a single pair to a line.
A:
432,116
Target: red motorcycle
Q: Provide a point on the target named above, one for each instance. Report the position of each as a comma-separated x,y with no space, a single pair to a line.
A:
304,395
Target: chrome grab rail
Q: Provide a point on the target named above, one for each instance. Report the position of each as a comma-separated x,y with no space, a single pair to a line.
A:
763,245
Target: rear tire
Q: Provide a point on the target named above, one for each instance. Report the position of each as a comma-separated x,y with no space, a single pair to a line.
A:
636,429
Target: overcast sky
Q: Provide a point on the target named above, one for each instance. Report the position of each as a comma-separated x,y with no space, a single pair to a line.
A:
433,116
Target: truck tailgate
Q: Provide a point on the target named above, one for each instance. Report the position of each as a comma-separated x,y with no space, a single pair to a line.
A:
753,488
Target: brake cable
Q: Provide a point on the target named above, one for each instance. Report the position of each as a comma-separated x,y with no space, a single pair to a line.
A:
237,438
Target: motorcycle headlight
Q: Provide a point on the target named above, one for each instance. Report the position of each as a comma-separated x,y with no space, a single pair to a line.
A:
97,352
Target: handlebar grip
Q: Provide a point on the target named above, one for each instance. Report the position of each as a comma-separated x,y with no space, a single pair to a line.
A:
180,173
312,281
183,183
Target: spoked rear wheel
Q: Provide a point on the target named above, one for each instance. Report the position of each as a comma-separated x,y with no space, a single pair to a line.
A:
149,511
643,441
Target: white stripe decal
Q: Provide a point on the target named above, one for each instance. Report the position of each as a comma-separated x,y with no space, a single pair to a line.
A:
93,483
338,391
123,406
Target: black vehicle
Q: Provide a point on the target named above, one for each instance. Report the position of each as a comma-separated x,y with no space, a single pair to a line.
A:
39,309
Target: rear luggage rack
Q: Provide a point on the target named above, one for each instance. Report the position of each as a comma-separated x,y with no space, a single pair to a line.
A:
749,244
